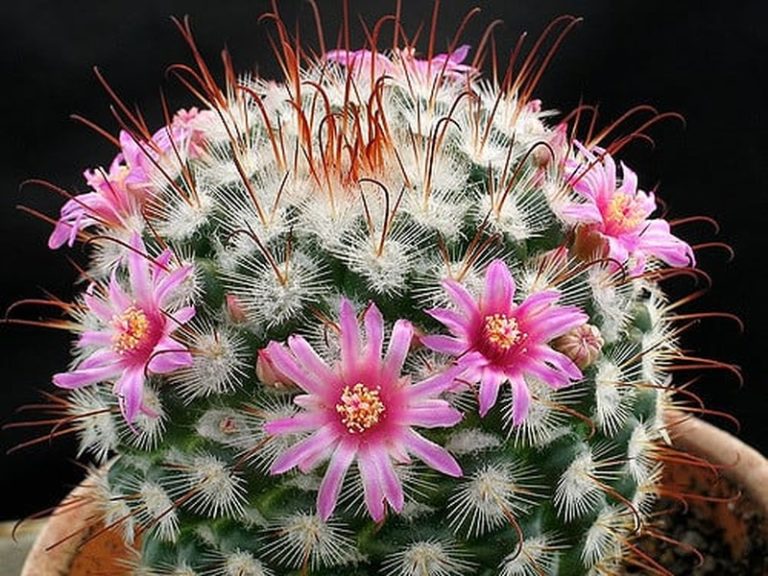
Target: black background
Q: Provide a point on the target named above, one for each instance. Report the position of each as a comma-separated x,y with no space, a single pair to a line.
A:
705,60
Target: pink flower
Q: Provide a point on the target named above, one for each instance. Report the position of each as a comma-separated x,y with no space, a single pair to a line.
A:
404,66
110,204
119,194
447,65
496,340
361,410
135,337
620,214
362,62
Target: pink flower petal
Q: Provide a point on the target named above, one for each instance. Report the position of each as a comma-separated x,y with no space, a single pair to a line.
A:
169,283
372,489
374,333
433,455
83,377
399,346
586,213
322,439
499,289
434,385
390,483
521,399
180,317
452,320
489,389
462,298
629,181
556,322
349,336
286,364
551,376
559,361
312,363
297,424
130,389
63,233
94,338
433,413
117,297
656,239
96,305
619,249
162,262
330,487
138,268
460,54
445,344
537,302
313,459
169,356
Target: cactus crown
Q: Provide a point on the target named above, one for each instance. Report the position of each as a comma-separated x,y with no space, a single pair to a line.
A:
383,316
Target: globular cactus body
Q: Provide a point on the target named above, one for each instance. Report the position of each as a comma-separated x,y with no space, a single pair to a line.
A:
381,317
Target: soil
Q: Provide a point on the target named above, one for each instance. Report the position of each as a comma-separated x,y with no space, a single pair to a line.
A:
727,528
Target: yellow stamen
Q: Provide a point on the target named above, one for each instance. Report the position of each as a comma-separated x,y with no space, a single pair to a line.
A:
502,332
624,212
360,408
131,328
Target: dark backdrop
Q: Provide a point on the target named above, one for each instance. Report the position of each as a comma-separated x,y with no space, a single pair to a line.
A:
705,62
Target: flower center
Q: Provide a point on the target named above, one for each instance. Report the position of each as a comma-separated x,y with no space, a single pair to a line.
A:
623,213
132,327
502,332
360,407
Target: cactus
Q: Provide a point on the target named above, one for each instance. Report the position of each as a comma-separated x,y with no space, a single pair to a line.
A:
383,316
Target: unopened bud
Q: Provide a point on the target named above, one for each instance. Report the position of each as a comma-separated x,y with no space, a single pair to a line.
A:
268,374
589,244
582,345
235,309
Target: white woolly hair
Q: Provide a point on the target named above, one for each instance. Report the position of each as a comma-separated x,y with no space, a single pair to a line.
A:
94,415
218,361
236,562
492,495
428,558
618,377
303,539
153,508
537,556
206,485
605,538
549,413
581,487
275,289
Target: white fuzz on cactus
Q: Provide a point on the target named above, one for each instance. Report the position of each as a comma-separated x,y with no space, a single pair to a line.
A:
380,316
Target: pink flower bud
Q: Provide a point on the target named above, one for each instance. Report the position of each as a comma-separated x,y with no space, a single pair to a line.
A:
235,309
557,148
582,345
268,374
589,244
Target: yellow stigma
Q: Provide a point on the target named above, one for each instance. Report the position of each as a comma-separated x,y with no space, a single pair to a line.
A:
131,327
624,212
360,408
502,331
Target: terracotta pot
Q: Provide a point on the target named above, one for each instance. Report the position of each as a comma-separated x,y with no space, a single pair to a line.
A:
106,554
66,545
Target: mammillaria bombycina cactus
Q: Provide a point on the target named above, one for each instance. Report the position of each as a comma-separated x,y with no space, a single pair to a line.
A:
386,315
